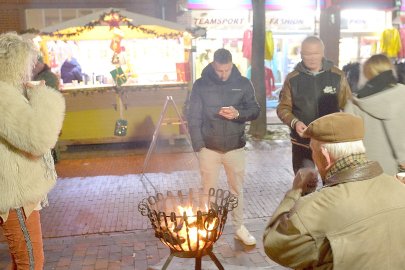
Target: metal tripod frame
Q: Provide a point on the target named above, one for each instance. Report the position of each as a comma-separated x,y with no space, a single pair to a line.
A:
169,99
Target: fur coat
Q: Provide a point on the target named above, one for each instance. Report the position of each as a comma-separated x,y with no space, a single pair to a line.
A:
29,128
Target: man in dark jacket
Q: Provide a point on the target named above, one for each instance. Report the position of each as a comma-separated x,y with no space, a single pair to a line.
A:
220,104
42,71
314,88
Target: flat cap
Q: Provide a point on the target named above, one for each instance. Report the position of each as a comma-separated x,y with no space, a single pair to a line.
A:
336,127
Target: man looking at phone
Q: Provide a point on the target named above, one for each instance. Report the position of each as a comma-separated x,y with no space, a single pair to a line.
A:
221,102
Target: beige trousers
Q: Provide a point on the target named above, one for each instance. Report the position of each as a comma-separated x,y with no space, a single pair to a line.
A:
234,165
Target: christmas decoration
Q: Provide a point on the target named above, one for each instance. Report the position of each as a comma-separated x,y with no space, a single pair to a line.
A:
118,76
113,19
116,41
121,127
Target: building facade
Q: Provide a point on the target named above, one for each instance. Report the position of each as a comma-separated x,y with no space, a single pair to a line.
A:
20,15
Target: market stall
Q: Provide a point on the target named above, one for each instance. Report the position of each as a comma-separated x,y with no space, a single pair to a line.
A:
129,63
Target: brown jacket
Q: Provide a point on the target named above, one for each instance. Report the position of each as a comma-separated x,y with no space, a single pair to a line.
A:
306,96
355,223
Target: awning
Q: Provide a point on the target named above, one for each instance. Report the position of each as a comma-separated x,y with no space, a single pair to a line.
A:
99,25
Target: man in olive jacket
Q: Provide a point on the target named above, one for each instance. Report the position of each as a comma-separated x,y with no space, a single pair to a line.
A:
355,221
221,102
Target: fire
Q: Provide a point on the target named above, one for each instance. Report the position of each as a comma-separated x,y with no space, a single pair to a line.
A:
193,236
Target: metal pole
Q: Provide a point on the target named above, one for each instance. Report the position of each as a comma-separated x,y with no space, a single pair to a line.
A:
167,262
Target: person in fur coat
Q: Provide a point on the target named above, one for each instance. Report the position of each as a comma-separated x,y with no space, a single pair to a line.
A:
31,118
380,102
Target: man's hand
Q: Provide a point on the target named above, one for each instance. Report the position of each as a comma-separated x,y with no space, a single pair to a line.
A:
401,177
306,180
300,127
402,167
33,84
229,112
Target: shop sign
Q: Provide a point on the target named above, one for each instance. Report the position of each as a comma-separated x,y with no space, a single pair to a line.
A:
290,21
370,21
220,19
247,4
378,4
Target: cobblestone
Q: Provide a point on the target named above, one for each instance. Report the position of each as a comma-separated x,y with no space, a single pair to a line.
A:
93,221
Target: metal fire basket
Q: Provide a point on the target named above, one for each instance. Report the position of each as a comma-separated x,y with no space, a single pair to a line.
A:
189,224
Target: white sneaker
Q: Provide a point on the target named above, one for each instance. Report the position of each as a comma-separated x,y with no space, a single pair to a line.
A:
244,235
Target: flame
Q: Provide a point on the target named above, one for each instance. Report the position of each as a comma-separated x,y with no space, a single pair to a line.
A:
195,234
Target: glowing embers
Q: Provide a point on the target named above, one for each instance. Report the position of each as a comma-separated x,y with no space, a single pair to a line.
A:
189,224
191,231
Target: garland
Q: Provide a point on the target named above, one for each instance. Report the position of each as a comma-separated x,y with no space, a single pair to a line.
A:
112,18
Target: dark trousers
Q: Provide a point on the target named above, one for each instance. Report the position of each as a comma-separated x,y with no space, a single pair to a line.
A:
301,157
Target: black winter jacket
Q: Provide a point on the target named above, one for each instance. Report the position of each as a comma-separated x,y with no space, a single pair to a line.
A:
209,129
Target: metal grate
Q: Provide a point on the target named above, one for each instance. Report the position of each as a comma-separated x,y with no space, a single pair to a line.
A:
189,224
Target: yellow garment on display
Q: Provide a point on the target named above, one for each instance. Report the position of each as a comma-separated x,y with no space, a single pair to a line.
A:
269,46
390,42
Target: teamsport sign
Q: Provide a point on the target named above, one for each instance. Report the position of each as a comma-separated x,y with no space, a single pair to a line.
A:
212,19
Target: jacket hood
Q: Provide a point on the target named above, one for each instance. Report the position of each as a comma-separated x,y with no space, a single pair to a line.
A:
209,74
381,82
386,104
326,65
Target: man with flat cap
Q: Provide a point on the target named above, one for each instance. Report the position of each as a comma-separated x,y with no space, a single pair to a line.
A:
355,221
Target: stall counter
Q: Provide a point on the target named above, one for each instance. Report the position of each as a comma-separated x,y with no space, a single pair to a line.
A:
92,112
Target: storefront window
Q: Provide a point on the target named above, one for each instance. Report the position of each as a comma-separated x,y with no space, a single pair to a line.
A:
225,29
286,55
360,35
232,29
289,28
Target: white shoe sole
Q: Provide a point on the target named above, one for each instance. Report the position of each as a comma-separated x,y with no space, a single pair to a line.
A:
247,244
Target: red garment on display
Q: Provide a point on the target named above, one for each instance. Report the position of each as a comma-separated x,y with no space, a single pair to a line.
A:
401,53
247,44
183,72
269,82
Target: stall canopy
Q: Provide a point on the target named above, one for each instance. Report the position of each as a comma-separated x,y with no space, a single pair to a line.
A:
100,25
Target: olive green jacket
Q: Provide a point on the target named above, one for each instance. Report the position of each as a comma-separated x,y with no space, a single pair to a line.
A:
49,77
357,224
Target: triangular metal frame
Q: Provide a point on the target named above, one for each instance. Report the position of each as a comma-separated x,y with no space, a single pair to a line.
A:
169,99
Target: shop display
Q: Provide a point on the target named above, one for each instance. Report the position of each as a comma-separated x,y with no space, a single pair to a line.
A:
147,53
129,64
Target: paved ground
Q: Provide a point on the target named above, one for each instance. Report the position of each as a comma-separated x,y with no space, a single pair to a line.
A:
93,221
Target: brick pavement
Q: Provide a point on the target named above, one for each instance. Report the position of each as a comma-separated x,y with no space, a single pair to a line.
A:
93,221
